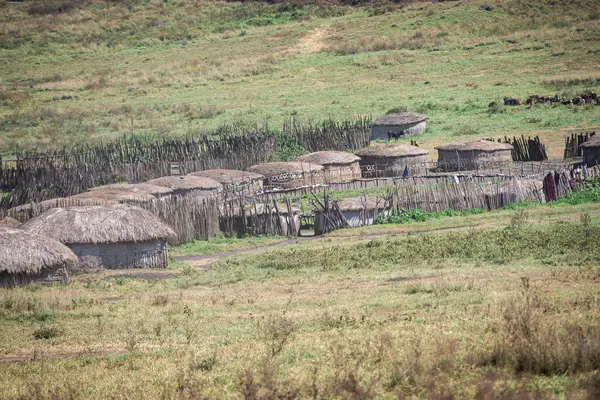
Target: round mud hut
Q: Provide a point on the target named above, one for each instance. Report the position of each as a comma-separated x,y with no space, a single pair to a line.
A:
474,155
234,182
118,236
289,175
398,125
338,166
591,151
358,211
188,184
392,160
28,257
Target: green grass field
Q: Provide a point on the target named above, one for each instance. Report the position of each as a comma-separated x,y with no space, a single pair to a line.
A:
159,69
494,305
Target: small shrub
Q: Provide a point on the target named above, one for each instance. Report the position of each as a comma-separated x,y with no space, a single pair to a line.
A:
160,300
442,34
277,332
466,130
397,109
519,219
46,332
204,364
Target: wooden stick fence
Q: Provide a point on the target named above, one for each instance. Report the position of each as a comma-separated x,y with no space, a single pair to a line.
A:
573,144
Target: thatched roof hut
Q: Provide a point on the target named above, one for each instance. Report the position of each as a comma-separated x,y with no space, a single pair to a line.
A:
260,218
26,211
398,125
591,151
118,236
357,211
392,159
29,257
477,154
339,166
234,181
185,184
9,222
114,195
135,188
290,174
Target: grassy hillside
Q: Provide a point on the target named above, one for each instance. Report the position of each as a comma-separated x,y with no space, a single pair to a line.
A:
162,68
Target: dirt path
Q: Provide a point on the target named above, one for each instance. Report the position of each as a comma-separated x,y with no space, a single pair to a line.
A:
312,43
205,260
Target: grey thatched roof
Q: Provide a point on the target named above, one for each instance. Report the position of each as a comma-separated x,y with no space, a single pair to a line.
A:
186,182
225,176
391,150
402,118
9,222
24,211
116,195
30,253
99,224
479,145
594,141
276,168
329,158
135,188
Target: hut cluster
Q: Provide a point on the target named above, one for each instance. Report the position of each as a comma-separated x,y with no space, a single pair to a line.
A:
109,226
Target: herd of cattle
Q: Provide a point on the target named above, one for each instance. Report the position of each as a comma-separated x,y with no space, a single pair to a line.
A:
584,98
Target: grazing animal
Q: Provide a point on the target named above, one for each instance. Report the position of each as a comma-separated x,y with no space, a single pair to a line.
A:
395,135
578,101
566,102
509,101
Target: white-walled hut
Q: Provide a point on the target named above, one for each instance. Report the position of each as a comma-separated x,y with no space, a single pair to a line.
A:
357,211
591,151
27,257
398,125
188,184
234,181
392,159
118,236
289,175
338,166
473,155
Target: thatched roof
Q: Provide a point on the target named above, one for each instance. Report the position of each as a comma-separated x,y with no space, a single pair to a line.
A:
99,224
226,176
276,168
186,182
479,145
30,253
329,158
391,150
594,141
360,203
115,195
402,118
135,188
9,222
24,211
